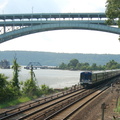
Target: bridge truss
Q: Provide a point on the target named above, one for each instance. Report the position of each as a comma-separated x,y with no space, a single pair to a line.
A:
16,25
33,65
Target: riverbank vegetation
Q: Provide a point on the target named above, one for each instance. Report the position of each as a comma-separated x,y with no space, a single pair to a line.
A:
74,64
118,106
13,92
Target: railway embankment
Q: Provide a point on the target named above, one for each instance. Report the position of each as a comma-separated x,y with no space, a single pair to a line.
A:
104,105
105,102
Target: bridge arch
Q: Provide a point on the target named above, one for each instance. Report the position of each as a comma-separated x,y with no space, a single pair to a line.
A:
57,26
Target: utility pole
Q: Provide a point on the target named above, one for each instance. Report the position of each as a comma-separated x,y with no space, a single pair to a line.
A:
117,90
103,107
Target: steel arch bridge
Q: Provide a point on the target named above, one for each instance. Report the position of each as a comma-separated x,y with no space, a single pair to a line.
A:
16,25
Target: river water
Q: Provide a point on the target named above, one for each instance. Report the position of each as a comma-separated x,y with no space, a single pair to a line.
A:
49,77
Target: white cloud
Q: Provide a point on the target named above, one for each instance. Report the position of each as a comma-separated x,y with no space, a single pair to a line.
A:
3,4
70,41
85,6
25,6
43,6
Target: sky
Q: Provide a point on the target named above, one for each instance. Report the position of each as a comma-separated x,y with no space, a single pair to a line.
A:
60,41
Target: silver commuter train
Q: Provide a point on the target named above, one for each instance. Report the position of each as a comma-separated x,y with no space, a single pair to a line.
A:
89,79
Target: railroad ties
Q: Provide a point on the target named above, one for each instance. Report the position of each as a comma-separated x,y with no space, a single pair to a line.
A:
61,106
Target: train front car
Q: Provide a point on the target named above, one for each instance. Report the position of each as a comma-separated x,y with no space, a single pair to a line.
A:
89,79
86,79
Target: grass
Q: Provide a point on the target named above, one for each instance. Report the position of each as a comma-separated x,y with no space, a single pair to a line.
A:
14,102
22,100
117,109
118,106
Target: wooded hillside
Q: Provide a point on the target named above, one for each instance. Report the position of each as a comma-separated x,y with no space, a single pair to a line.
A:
55,59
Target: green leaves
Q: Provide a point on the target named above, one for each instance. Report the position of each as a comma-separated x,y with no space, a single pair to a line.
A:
16,69
113,11
75,65
3,80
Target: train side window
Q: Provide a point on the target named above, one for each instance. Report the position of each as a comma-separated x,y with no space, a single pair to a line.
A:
93,77
99,76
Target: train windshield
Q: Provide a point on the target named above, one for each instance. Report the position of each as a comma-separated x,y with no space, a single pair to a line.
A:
86,76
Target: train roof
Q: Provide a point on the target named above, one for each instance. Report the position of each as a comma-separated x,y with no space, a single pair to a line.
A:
86,72
102,71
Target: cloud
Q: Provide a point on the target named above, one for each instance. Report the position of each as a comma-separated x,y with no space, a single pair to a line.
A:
27,6
85,6
3,4
71,41
68,41
47,6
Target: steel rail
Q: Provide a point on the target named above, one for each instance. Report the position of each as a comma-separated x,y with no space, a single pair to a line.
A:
37,103
51,105
74,102
76,96
70,100
46,99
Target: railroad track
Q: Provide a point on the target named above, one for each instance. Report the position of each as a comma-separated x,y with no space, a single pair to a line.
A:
33,105
61,106
67,112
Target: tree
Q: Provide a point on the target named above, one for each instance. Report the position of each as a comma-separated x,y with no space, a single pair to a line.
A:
113,11
73,63
30,87
7,91
3,86
94,66
112,65
62,66
78,66
46,90
16,69
3,81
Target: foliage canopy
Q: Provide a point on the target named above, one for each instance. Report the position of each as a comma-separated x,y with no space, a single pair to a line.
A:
16,69
113,11
86,66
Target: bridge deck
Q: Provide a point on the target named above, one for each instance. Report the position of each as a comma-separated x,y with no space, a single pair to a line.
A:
52,15
38,22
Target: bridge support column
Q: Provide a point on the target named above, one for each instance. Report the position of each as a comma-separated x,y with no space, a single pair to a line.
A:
4,29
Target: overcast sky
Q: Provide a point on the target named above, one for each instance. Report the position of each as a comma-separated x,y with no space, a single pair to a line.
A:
65,41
